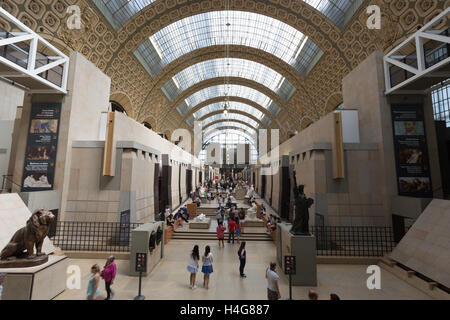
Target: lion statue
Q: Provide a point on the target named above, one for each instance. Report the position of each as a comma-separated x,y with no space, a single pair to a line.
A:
26,238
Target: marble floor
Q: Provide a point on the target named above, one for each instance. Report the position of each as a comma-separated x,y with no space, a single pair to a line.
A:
170,279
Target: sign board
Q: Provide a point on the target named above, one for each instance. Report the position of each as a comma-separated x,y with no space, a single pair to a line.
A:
411,151
141,262
42,142
289,265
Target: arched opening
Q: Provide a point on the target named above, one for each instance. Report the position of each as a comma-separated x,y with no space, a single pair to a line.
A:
115,106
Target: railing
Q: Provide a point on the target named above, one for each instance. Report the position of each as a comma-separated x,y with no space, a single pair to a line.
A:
434,51
353,241
430,55
19,54
93,236
116,237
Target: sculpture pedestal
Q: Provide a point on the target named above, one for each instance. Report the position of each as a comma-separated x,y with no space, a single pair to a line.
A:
304,249
43,282
253,223
197,224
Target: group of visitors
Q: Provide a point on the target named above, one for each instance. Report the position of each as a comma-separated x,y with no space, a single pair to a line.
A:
108,274
207,264
193,266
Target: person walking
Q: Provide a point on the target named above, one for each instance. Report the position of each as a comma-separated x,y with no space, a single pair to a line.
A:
192,267
93,289
231,230
273,290
207,268
242,259
220,233
109,274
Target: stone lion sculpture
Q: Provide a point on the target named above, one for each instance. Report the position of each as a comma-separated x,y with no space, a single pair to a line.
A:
33,234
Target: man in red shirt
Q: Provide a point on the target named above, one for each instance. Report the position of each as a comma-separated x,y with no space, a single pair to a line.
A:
231,229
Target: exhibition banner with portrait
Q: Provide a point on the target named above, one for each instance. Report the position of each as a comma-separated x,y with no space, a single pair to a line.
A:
42,142
411,151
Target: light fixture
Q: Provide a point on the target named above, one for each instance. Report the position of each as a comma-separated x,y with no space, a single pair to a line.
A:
301,47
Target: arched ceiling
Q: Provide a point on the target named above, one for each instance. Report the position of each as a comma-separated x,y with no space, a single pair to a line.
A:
112,49
224,122
120,12
225,68
232,107
232,115
234,103
218,129
214,88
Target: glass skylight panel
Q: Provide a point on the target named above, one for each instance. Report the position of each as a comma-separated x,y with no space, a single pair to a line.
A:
231,90
230,117
232,105
338,11
118,12
230,124
209,29
229,67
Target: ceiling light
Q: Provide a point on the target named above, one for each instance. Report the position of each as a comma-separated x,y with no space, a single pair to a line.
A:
157,47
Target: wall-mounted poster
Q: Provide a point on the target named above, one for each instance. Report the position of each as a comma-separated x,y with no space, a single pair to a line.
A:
42,142
411,151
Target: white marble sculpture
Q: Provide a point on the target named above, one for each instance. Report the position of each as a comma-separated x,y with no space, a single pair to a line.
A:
201,217
251,213
249,192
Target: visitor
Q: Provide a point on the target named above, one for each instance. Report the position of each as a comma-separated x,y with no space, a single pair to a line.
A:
207,268
109,274
170,220
2,280
334,296
238,229
194,258
219,216
312,295
231,230
241,213
167,211
242,259
93,289
273,290
220,233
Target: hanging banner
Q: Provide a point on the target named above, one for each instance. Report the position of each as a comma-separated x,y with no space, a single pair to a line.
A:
42,142
411,151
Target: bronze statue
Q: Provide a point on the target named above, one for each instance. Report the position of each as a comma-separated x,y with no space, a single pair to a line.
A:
33,234
302,205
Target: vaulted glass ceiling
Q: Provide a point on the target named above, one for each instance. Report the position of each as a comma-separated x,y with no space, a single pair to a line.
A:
118,12
232,90
228,27
230,117
228,67
232,105
238,125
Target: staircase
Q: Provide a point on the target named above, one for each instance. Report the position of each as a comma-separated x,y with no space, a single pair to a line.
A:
183,235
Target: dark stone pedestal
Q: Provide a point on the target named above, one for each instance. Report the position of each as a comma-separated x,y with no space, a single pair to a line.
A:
23,262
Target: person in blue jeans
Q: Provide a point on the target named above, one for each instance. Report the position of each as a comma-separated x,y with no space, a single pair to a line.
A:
242,259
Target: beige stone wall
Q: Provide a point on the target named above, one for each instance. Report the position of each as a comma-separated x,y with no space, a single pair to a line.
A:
85,200
11,99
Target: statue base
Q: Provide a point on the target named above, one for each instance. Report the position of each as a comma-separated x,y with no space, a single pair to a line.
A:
303,247
42,282
15,262
253,223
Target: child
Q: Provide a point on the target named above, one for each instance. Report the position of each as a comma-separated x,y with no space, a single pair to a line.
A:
221,233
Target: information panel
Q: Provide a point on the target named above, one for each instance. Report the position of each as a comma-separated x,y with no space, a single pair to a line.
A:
42,142
289,265
411,151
